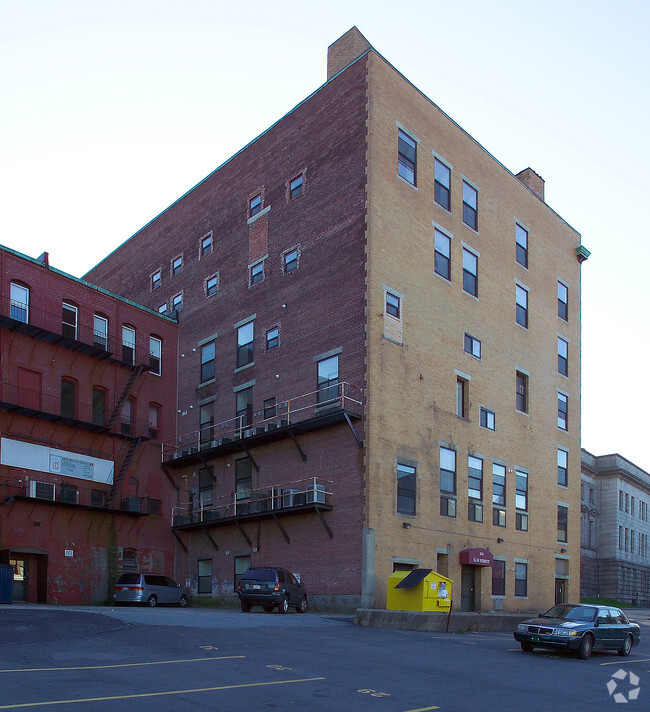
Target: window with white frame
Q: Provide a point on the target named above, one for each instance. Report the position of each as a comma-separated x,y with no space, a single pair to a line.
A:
442,184
406,488
521,245
155,355
562,411
562,467
100,331
472,346
211,285
206,245
156,279
521,579
447,482
470,206
562,356
521,298
498,495
562,523
470,272
562,301
406,157
177,265
128,344
442,254
487,419
19,303
245,344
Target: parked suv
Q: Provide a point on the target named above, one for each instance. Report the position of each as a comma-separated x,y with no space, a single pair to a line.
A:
271,588
149,589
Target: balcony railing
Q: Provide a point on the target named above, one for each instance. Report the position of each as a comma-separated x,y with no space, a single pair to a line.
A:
69,493
14,398
79,335
268,500
342,397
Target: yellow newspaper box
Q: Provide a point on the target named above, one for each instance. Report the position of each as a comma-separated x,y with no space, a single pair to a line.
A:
418,590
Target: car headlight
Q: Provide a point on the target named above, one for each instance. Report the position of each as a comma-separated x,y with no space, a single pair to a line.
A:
565,633
522,628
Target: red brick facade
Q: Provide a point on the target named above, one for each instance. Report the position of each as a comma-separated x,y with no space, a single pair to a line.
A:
80,476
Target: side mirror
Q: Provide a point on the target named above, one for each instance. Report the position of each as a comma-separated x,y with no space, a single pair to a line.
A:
596,623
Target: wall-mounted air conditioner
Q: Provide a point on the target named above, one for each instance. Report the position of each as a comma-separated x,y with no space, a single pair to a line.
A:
42,490
315,494
131,504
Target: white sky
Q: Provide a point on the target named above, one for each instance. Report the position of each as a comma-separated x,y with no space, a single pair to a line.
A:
110,112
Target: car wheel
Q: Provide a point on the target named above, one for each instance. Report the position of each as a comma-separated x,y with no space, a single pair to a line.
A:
585,647
268,609
283,606
302,607
183,601
153,601
626,647
527,647
246,607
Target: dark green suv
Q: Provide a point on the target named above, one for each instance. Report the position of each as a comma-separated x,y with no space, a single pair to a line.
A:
271,587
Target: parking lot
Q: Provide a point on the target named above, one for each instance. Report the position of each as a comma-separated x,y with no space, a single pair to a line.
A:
164,659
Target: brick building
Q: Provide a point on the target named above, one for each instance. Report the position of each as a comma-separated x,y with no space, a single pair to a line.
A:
87,396
614,530
379,360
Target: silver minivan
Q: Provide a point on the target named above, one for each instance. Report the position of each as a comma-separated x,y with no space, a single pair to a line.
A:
150,590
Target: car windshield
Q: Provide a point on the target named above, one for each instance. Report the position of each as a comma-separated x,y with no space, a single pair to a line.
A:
571,613
259,575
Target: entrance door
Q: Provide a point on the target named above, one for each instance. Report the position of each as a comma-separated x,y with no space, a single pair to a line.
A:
20,579
468,588
560,590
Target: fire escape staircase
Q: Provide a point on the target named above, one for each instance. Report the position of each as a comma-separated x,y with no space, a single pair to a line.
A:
126,463
135,373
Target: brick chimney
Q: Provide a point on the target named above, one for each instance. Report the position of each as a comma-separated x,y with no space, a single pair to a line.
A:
532,181
345,50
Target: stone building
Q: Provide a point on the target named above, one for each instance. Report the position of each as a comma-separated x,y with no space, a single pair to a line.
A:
614,530
379,360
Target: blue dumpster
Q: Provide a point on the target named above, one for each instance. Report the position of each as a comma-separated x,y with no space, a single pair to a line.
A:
6,583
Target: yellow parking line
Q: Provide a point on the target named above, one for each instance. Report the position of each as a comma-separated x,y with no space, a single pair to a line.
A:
424,709
627,661
23,705
124,665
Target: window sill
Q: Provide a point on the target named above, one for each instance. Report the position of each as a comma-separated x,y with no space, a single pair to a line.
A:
255,217
244,367
207,383
408,182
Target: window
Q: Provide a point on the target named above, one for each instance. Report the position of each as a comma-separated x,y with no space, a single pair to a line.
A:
204,575
162,309
68,494
206,487
392,305
498,495
156,280
470,206
475,481
470,272
270,408
472,346
447,482
241,564
462,397
154,420
474,512
562,411
155,355
211,285
272,338
521,240
69,321
255,205
562,356
68,398
99,406
177,265
327,381
562,467
441,184
295,187
405,489
521,297
244,407
98,499
406,157
177,301
521,579
521,500
257,273
128,344
562,523
290,260
521,392
128,409
206,245
100,331
243,478
19,303
442,254
563,301
245,344
208,361
206,421
488,419
498,578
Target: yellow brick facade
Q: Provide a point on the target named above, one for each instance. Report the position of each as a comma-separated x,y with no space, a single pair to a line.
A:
413,362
